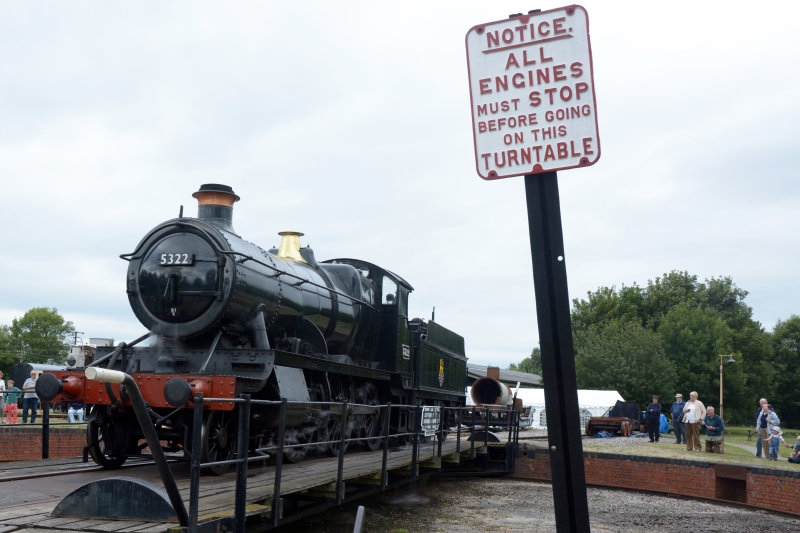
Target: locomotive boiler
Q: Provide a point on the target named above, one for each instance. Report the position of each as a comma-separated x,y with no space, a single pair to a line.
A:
225,317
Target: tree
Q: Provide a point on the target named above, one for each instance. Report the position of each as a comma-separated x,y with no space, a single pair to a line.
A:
8,355
786,346
41,336
694,338
531,364
624,356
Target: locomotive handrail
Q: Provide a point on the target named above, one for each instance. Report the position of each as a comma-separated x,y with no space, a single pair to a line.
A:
244,257
121,346
302,280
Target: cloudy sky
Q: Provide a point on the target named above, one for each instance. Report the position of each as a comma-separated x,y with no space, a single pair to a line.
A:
350,122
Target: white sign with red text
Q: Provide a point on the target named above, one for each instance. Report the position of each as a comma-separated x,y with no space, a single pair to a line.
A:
532,93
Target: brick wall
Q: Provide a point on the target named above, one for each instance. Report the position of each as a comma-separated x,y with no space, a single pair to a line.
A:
762,487
19,442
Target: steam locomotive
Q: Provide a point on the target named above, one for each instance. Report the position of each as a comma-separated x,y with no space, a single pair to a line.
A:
227,317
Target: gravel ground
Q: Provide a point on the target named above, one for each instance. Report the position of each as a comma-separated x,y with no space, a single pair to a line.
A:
461,505
502,504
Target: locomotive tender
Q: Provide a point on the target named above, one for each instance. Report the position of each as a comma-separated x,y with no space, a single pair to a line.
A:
228,317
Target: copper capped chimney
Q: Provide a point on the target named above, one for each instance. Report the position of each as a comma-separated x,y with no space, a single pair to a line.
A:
215,205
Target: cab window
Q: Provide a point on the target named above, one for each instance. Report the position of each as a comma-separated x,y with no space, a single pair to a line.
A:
389,291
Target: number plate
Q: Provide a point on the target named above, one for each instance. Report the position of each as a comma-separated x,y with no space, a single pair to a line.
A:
176,259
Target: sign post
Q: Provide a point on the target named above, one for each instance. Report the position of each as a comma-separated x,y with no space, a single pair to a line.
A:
533,113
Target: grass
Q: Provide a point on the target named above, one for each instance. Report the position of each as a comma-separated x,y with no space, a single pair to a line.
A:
666,447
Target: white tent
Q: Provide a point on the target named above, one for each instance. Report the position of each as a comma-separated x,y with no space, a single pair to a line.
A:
590,403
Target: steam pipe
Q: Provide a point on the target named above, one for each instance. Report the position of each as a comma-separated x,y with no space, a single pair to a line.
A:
489,391
105,375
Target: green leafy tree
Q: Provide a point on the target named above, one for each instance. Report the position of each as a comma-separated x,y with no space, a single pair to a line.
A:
531,364
694,338
606,303
41,335
624,356
8,355
696,322
786,346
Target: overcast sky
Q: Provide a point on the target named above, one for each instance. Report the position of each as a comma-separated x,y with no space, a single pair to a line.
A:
351,123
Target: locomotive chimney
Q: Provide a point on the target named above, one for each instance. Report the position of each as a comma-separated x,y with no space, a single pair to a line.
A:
215,205
289,247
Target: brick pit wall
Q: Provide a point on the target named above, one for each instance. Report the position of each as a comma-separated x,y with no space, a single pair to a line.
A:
21,443
745,484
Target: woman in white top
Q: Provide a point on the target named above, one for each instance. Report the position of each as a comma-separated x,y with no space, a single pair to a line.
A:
694,411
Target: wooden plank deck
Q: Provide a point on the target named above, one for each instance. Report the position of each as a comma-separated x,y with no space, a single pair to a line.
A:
217,494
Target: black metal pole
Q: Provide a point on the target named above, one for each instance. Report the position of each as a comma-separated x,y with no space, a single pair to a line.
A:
45,429
340,464
558,359
472,436
458,431
415,443
276,489
384,459
243,434
441,431
194,472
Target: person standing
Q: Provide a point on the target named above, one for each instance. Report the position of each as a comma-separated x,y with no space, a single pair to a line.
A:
693,414
12,397
714,431
677,419
29,400
767,419
759,445
775,440
652,419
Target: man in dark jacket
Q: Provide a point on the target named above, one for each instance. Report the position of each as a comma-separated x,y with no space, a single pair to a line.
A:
714,429
652,419
677,419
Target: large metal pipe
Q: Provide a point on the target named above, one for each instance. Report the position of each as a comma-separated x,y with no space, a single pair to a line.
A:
105,375
489,391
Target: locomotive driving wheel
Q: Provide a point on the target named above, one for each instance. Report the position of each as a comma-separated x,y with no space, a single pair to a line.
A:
372,423
341,391
218,440
103,447
295,454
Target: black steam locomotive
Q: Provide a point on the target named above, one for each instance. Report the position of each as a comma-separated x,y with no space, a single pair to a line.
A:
228,318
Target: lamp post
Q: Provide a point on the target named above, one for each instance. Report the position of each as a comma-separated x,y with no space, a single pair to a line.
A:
730,360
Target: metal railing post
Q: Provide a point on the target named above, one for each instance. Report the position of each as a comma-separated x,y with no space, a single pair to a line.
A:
342,444
276,491
472,435
243,440
384,473
194,483
458,431
415,449
441,431
486,439
45,429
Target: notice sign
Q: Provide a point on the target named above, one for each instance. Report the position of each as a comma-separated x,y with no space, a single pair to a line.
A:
532,93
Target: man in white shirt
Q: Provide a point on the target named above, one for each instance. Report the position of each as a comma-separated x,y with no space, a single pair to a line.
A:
30,400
